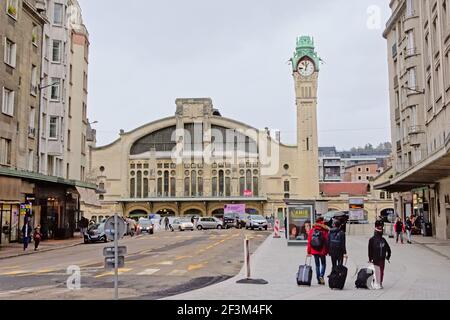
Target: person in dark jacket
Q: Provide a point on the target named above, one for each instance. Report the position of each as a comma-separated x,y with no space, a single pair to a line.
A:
37,237
399,229
408,229
379,252
27,232
336,245
319,252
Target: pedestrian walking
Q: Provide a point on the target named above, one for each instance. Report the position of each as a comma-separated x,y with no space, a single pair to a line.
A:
166,223
26,232
336,245
285,227
318,247
399,229
379,252
408,229
37,237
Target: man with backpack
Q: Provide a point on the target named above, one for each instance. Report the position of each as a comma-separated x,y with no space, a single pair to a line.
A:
336,245
379,252
318,247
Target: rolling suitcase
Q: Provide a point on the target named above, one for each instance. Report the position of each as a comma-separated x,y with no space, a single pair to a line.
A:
337,278
365,278
305,272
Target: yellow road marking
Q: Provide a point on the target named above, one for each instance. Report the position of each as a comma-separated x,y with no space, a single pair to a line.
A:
182,257
196,266
14,267
13,273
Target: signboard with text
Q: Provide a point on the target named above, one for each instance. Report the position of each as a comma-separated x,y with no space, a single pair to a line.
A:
234,208
299,222
356,209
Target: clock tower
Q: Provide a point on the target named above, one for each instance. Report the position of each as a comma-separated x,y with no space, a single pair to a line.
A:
305,65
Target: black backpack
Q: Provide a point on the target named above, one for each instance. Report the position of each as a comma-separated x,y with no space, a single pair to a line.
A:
336,241
379,249
317,240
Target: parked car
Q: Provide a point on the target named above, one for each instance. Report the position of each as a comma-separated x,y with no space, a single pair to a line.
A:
182,224
209,223
145,225
256,222
95,233
230,220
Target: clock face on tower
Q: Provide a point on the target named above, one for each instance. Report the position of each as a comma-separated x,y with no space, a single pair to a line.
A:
306,67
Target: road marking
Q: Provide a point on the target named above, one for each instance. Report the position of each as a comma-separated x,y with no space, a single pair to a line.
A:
13,273
177,273
14,267
111,273
182,257
148,272
196,266
166,263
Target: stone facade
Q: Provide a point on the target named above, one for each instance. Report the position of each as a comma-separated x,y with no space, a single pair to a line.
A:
198,161
418,38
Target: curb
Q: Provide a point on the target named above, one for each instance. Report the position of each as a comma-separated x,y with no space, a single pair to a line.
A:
40,251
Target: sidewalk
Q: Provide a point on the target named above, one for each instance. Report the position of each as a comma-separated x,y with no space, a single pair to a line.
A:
16,249
414,273
441,247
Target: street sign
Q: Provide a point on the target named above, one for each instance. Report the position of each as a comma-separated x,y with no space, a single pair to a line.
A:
110,252
110,263
109,228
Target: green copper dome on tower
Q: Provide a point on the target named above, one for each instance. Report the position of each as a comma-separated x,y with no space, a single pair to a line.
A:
305,47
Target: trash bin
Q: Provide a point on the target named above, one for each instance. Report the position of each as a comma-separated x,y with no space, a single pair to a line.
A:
427,230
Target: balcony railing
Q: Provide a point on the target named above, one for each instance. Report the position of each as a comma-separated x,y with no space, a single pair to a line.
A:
416,129
410,52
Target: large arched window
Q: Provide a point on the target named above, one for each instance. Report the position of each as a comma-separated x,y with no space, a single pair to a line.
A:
187,186
132,187
221,183
228,187
139,184
200,186
160,140
255,186
248,179
214,186
193,183
159,187
145,195
173,187
241,186
166,183
231,140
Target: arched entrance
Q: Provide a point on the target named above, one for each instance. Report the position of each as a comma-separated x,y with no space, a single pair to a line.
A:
166,213
193,213
136,214
218,213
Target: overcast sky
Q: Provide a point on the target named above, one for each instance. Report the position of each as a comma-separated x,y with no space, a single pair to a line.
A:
145,54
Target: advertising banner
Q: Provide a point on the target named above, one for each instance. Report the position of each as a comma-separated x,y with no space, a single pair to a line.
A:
299,222
234,208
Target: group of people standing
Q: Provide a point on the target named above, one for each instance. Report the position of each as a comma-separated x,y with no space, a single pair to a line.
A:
28,234
323,241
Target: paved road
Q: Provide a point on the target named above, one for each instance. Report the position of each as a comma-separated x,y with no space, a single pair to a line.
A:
157,266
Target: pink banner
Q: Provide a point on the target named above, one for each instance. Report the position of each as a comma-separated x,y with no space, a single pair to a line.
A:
234,208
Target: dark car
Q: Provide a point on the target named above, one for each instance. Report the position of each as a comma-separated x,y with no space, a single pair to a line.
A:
229,220
145,225
95,233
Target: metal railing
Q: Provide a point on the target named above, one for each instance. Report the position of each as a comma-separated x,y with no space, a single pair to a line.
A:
416,129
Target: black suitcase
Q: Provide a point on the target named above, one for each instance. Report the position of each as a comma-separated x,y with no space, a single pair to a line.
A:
337,278
365,276
305,273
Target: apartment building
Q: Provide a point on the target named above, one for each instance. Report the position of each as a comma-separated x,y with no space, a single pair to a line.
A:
31,185
418,39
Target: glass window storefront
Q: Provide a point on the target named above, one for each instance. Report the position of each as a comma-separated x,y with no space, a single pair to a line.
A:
9,223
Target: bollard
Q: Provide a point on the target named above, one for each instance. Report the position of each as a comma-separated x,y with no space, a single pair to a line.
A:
277,229
248,279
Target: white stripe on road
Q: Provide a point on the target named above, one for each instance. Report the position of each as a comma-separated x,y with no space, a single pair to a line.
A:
148,272
177,273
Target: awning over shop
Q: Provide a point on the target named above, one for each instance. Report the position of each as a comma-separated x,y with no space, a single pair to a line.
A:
429,171
88,197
